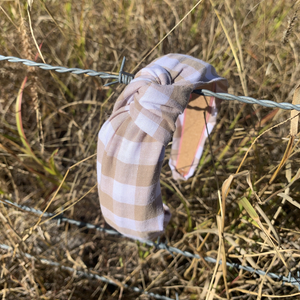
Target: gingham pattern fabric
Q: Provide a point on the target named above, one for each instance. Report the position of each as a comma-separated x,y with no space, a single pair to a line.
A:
131,143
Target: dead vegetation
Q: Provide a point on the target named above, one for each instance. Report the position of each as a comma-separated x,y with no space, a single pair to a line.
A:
50,121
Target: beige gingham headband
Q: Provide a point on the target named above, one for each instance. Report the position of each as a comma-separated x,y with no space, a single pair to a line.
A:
154,108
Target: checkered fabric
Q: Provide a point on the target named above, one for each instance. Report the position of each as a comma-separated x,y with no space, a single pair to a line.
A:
131,143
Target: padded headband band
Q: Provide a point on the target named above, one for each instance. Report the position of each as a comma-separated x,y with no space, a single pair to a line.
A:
154,108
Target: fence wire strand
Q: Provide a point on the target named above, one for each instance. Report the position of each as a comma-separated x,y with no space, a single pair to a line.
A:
284,279
87,274
122,77
125,78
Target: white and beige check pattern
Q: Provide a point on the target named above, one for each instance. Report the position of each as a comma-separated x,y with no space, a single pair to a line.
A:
131,143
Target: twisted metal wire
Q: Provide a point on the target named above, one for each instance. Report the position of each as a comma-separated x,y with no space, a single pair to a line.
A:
87,275
125,78
60,218
248,100
285,279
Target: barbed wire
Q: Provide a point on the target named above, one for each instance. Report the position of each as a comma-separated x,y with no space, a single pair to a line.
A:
125,78
89,274
60,218
122,77
285,279
249,100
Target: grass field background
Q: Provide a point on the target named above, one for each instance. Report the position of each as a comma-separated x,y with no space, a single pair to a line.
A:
49,122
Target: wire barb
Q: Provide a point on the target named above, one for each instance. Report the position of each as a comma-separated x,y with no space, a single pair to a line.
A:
123,77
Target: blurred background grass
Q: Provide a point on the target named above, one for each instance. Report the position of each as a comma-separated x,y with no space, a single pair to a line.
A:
61,115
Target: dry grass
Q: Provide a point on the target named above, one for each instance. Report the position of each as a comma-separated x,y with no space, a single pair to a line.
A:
65,112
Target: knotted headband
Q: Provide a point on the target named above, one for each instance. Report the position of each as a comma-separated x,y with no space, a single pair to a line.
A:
156,106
